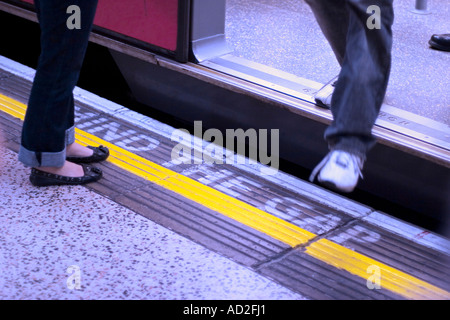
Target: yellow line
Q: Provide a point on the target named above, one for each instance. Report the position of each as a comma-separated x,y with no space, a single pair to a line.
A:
389,278
12,107
195,191
324,250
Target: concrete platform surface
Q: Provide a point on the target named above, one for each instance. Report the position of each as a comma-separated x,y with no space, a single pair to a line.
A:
70,243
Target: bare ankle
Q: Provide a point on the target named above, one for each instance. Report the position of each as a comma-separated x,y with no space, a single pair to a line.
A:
77,150
69,169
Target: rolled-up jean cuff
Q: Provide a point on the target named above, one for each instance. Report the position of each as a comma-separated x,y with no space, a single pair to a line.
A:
47,159
41,159
70,135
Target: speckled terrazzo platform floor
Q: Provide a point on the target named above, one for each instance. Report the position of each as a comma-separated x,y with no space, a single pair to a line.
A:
117,253
285,35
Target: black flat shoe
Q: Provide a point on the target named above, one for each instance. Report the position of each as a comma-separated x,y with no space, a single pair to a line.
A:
40,178
100,154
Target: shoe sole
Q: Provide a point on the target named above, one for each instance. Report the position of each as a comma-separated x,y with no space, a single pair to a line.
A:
438,46
43,179
330,185
54,182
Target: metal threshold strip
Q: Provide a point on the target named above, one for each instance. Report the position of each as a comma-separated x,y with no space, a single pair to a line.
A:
325,250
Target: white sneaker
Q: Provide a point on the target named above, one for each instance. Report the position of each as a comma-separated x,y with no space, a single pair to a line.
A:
339,170
324,95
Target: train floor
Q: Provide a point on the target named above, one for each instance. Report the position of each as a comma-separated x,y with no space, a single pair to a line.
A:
154,228
285,36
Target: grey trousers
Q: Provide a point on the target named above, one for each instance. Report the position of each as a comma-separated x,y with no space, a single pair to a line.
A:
363,49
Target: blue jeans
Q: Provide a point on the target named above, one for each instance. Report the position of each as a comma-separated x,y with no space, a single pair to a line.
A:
365,58
49,121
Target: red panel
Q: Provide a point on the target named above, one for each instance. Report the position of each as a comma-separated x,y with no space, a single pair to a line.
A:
151,21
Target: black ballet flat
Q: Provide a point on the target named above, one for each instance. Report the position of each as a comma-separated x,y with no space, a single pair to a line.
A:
100,154
41,179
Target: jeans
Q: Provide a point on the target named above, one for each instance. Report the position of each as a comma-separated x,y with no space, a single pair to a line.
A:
364,55
49,121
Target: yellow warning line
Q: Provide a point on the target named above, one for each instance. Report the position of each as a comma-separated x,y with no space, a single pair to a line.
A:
195,191
324,250
12,107
375,271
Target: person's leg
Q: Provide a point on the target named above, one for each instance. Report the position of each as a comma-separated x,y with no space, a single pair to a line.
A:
362,82
360,88
329,15
332,17
49,122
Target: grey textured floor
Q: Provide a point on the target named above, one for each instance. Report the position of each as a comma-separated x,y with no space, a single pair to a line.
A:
285,35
